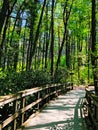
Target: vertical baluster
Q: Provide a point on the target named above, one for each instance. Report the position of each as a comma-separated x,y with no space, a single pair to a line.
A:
56,92
15,109
61,89
58,87
96,114
89,105
0,126
38,99
54,89
22,107
49,92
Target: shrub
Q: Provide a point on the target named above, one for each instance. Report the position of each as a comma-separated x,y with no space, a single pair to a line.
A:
12,82
61,75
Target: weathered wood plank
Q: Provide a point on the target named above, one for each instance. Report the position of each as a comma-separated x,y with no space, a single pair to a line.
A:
43,93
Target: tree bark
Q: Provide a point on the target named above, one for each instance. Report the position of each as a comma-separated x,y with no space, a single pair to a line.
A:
31,37
37,33
4,18
93,47
65,19
47,34
68,62
52,38
3,13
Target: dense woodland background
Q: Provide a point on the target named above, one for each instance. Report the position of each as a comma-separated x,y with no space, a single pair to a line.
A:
47,41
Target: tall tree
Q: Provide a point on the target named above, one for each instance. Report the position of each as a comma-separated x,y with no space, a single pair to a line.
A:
93,47
66,15
52,37
37,33
32,19
6,10
68,62
47,34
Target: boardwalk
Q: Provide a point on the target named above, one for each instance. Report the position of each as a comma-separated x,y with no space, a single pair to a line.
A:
63,113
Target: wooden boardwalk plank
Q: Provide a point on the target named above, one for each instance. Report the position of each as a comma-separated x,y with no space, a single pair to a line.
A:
63,113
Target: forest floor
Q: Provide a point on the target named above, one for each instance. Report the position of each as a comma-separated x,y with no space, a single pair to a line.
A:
63,113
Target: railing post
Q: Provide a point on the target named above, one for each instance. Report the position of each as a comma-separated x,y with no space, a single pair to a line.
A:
88,99
56,94
38,99
49,93
55,90
62,88
96,113
22,107
0,126
89,103
15,109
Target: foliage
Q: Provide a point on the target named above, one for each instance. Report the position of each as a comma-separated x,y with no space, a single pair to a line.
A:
25,44
12,82
61,75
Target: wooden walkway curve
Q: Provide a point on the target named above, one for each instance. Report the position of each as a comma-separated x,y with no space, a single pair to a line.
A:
63,113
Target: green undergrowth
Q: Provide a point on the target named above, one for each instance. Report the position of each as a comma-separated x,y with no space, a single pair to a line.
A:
11,82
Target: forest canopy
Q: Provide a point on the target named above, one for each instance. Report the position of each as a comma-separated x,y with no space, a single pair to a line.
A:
47,41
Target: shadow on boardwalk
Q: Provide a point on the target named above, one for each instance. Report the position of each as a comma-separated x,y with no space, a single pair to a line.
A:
64,113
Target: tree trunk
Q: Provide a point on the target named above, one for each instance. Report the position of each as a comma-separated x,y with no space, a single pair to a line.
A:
4,18
68,62
3,13
65,19
24,47
37,32
93,47
18,29
3,40
47,36
52,38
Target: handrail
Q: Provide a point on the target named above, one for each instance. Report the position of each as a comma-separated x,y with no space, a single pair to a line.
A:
92,105
21,105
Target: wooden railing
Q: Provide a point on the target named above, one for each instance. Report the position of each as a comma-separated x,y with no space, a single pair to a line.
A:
16,109
92,108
